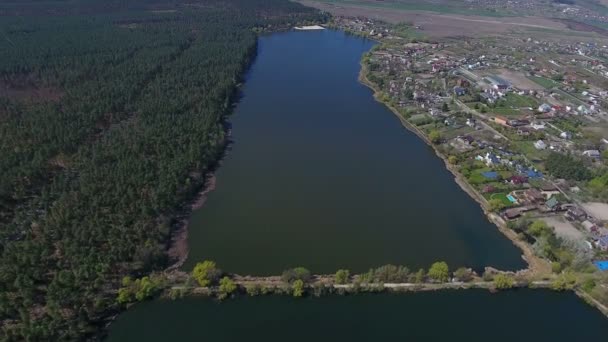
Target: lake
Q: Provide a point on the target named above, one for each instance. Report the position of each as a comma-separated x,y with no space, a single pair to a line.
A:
321,175
469,315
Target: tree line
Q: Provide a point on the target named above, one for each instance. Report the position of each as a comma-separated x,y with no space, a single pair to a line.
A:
92,178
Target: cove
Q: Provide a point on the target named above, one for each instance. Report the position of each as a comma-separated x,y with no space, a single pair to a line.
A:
471,315
323,176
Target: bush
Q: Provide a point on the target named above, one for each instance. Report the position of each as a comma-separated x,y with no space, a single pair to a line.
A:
206,273
138,290
463,274
556,267
565,281
439,271
227,287
435,137
342,276
420,276
298,288
253,290
298,273
503,281
391,274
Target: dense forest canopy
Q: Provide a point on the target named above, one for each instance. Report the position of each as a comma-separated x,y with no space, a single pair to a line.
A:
110,112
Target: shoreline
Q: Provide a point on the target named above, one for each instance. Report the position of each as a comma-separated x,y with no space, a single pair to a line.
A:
535,264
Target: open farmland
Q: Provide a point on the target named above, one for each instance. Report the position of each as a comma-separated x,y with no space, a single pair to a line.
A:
439,24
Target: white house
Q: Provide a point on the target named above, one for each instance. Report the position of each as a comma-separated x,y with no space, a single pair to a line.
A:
538,125
544,108
592,154
540,145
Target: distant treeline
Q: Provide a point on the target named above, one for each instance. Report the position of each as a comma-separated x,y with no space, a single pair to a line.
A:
108,120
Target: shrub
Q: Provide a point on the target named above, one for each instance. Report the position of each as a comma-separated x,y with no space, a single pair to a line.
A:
503,281
298,273
342,276
206,273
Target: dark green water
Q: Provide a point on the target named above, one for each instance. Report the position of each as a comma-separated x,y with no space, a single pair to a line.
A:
475,315
321,175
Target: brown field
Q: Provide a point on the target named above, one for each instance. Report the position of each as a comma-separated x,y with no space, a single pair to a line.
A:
518,79
444,25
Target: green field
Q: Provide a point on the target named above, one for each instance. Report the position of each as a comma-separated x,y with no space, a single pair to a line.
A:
414,5
505,111
420,119
527,148
502,197
543,81
518,101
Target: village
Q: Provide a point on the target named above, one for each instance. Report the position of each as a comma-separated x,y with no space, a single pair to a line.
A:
524,121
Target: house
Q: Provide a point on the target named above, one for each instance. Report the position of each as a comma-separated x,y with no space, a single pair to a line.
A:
487,98
466,139
533,196
540,145
523,131
575,214
552,204
459,91
497,83
565,135
516,122
533,174
602,243
538,125
548,190
544,108
488,189
595,154
501,120
471,122
518,180
512,213
491,159
589,226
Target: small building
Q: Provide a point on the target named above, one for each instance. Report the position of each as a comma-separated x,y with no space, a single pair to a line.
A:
540,145
518,180
575,214
497,82
595,154
488,189
501,120
565,135
523,131
533,174
491,159
589,226
602,243
544,108
538,125
549,191
552,204
459,91
533,196
487,98
512,213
